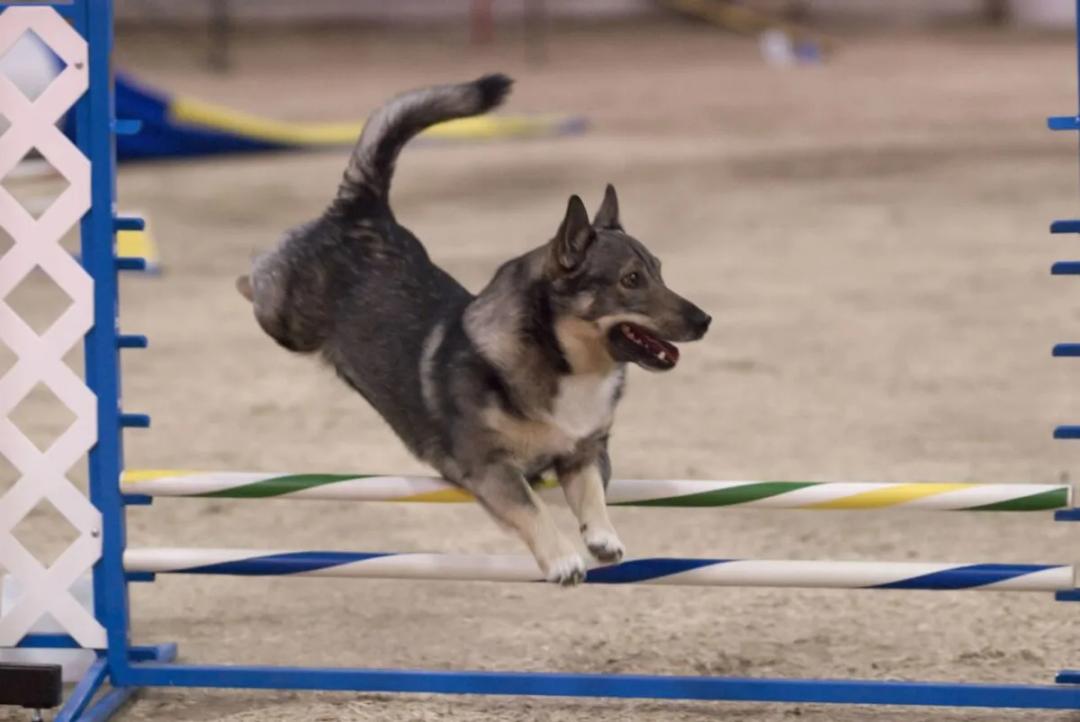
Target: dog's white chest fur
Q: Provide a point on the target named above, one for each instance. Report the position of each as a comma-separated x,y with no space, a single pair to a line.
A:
585,403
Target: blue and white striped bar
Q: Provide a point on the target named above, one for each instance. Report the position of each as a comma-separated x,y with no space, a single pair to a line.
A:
672,571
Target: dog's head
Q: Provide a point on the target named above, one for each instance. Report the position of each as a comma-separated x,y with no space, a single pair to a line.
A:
604,277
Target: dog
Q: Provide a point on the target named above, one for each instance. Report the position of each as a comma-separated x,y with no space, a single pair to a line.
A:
495,389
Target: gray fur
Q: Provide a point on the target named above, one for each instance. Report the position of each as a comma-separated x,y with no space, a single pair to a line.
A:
494,389
386,132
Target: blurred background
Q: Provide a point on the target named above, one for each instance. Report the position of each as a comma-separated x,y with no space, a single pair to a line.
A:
475,21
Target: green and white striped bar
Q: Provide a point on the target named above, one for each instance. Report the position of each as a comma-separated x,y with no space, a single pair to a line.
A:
668,571
627,492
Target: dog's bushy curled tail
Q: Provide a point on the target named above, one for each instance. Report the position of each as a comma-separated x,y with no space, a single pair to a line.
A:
371,167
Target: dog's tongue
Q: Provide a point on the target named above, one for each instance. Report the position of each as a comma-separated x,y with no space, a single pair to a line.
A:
666,353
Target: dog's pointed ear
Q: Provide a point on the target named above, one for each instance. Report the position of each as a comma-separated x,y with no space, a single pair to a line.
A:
607,218
575,236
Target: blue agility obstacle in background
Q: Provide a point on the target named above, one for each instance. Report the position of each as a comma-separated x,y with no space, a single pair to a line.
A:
173,126
107,110
162,136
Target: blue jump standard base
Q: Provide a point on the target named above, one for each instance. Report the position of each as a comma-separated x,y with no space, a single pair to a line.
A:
121,669
92,701
160,672
107,685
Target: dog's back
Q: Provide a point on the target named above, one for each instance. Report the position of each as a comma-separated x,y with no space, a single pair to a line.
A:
356,286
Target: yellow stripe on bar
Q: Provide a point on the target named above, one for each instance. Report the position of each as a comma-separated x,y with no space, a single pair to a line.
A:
136,475
443,496
892,496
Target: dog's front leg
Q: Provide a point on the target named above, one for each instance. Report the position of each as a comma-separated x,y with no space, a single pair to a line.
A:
508,497
584,490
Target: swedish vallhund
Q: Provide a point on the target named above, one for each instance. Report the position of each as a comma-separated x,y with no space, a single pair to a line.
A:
494,389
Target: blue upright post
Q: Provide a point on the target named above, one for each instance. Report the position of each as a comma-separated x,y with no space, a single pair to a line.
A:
1068,676
1068,268
94,137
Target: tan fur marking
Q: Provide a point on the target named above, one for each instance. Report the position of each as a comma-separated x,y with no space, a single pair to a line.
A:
538,530
584,490
243,285
528,439
585,346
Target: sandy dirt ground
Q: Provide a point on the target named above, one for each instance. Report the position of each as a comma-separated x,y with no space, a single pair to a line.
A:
870,236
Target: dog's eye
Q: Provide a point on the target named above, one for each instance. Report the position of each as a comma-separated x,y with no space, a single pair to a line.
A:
631,280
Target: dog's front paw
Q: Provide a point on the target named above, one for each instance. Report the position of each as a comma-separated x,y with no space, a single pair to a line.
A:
603,544
567,570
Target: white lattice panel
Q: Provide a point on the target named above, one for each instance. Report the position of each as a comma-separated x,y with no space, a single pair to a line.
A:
43,475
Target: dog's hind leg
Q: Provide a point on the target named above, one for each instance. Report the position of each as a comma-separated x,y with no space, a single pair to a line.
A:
584,490
503,491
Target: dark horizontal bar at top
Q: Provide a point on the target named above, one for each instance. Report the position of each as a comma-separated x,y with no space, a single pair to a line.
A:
1065,226
1063,122
941,694
1067,432
1066,268
1066,349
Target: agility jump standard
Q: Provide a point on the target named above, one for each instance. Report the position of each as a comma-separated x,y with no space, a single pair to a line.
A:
80,32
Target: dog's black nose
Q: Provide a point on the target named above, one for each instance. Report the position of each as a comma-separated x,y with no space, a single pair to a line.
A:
702,324
699,321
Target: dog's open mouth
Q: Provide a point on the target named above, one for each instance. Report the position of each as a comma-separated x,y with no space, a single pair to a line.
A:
633,343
